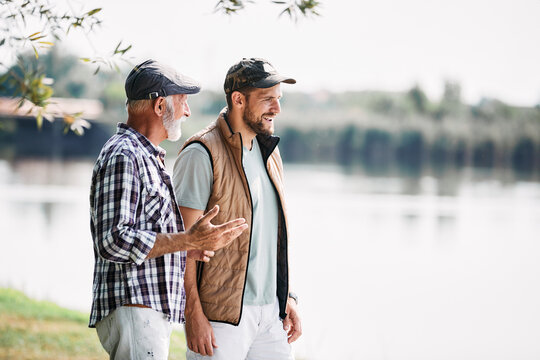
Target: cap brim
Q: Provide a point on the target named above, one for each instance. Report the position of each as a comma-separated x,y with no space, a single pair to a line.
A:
273,80
151,79
182,84
188,90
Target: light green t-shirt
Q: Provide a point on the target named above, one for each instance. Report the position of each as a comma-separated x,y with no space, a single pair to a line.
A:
193,178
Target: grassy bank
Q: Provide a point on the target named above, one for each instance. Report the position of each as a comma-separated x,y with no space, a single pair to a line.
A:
31,329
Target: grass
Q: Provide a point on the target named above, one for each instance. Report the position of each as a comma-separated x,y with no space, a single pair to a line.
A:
31,329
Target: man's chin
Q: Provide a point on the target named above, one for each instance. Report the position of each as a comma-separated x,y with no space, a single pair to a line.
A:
176,132
269,132
176,137
266,132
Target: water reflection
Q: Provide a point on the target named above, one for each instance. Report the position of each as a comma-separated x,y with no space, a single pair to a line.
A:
44,230
386,267
403,270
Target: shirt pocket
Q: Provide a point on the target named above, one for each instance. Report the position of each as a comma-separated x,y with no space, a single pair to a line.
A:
158,206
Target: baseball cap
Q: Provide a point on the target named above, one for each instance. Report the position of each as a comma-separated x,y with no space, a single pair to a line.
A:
151,79
253,72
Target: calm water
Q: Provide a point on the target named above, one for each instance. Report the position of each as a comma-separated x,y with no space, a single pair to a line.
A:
385,268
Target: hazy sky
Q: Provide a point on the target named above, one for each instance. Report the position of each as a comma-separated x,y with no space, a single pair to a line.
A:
491,47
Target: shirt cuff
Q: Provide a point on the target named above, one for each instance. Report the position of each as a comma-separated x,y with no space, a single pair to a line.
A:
143,246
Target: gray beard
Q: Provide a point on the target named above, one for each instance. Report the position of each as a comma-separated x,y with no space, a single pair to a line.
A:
172,126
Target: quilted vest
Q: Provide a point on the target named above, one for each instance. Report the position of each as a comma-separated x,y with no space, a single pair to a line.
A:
222,281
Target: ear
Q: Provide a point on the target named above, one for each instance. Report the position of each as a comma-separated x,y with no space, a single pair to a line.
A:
238,99
159,106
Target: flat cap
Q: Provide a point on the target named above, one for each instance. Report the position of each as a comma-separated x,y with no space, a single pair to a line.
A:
151,79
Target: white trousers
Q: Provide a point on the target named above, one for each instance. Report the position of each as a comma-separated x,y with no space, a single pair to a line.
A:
135,333
259,336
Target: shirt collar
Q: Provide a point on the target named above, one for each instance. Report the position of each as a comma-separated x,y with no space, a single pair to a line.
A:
146,144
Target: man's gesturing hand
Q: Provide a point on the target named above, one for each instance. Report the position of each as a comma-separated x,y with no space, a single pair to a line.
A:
203,235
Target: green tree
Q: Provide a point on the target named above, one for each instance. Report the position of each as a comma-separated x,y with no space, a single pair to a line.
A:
450,103
419,99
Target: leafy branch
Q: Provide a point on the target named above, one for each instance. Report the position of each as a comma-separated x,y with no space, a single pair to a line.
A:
302,8
110,62
229,7
34,92
53,23
28,82
295,9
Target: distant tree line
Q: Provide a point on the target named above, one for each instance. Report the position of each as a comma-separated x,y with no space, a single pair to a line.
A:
385,132
379,131
411,151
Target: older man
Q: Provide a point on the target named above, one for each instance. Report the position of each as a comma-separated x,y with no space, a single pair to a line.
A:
139,242
239,305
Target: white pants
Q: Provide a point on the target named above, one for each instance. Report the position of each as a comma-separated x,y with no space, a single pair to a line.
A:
135,333
259,336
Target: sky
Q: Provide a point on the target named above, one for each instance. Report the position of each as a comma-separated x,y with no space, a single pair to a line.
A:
492,48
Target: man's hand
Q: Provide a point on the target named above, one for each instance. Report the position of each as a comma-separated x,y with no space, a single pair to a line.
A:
200,255
292,323
200,335
203,235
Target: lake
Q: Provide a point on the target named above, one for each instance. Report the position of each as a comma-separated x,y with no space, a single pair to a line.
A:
385,268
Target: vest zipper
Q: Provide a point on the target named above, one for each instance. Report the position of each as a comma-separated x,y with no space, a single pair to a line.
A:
250,227
282,213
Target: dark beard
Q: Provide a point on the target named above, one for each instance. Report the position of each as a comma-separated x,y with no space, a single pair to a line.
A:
257,125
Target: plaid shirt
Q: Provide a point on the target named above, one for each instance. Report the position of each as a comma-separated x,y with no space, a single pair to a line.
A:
131,200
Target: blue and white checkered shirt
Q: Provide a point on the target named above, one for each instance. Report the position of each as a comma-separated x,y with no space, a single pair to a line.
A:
131,200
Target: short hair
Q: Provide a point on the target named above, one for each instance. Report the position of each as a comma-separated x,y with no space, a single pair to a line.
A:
137,107
244,91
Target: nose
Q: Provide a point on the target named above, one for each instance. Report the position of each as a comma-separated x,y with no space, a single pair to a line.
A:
187,111
276,107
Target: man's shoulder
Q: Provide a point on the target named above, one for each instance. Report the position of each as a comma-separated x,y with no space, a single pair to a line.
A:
195,148
208,139
203,135
120,145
